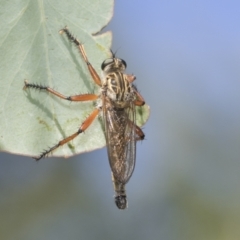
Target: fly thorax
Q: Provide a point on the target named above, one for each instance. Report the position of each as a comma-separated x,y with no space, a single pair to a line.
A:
119,89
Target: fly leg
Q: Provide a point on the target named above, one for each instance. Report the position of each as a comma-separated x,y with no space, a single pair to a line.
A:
140,134
82,128
76,98
81,49
138,131
140,100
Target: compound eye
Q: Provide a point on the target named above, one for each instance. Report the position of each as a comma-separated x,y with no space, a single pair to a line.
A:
106,63
124,63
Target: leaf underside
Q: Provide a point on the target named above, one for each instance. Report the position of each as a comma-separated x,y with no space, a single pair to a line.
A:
32,121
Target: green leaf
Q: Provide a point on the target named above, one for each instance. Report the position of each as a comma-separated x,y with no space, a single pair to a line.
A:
31,48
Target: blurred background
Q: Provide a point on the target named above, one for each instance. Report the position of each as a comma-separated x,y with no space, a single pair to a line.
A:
186,184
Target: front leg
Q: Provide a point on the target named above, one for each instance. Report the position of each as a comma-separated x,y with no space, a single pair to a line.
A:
76,98
81,49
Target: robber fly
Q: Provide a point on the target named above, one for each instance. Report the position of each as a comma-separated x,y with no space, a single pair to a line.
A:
116,103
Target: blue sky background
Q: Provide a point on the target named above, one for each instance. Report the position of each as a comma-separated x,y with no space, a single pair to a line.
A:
186,185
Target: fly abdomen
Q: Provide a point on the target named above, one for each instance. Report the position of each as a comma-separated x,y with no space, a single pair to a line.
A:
120,193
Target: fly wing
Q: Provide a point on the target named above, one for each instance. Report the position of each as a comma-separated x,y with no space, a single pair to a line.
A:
121,140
